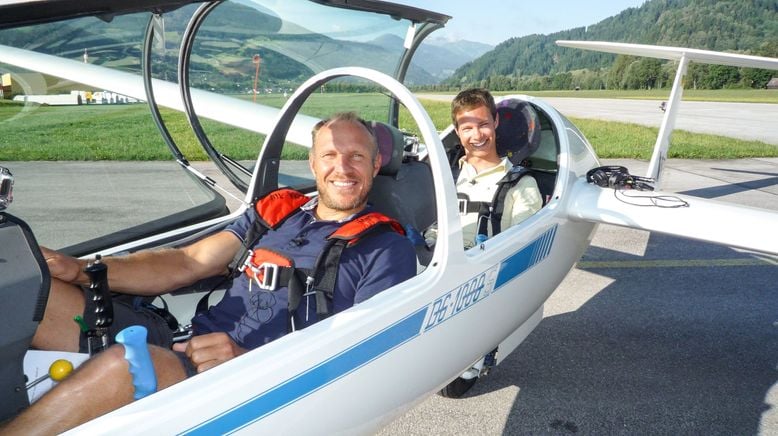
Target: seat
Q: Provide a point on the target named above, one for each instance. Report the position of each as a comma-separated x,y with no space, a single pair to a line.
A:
518,130
403,190
518,137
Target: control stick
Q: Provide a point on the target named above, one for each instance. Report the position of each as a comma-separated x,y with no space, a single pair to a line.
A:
97,336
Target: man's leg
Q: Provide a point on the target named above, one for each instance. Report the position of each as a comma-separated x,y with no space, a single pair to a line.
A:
100,385
58,331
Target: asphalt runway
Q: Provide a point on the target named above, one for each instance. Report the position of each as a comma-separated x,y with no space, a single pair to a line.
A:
649,334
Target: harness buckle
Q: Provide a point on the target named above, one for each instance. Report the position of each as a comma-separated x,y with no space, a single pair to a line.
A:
462,204
246,261
266,276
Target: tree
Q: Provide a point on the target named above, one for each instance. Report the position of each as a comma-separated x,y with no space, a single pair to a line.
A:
755,78
616,74
720,76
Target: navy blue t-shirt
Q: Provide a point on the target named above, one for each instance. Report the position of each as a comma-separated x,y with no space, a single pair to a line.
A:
254,318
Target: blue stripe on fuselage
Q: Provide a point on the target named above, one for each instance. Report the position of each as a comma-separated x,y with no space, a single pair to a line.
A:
366,351
314,379
525,258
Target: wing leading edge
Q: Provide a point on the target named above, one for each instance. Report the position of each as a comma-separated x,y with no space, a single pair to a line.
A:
228,110
680,215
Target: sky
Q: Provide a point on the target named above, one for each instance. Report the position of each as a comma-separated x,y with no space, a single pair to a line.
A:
494,21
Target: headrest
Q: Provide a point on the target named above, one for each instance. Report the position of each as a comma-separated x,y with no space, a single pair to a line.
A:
518,131
391,144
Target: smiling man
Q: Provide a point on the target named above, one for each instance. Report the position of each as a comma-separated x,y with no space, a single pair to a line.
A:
344,168
344,160
475,118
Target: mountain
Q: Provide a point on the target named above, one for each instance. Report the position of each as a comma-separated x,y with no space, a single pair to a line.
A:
438,57
441,57
749,26
225,45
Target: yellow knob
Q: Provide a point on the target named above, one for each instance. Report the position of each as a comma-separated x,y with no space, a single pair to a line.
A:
60,369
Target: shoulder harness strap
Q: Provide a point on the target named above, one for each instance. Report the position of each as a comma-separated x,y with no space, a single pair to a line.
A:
505,184
492,211
272,210
271,270
325,272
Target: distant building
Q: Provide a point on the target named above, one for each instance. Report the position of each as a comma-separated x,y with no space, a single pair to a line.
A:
22,83
5,85
32,87
51,100
773,83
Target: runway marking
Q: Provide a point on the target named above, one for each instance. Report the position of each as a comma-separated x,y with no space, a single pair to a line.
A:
677,263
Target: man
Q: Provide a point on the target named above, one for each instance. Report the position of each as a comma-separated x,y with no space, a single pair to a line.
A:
475,118
344,160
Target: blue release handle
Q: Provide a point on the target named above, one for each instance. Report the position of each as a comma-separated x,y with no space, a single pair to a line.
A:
137,354
414,235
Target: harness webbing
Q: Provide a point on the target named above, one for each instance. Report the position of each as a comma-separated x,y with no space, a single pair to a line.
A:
498,202
325,272
272,210
492,211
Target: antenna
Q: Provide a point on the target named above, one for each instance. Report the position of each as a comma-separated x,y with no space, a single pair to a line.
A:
257,60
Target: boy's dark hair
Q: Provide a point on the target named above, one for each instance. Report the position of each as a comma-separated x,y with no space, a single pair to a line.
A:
470,99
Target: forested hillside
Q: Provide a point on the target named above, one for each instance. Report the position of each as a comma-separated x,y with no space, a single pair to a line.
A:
536,62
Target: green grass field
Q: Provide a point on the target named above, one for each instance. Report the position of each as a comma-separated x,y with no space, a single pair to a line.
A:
126,132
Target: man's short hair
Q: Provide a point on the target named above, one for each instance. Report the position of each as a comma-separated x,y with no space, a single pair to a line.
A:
350,117
470,99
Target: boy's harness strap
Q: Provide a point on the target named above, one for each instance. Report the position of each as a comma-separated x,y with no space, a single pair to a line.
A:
492,211
509,180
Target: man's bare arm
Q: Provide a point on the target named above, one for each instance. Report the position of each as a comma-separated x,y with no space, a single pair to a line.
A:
153,272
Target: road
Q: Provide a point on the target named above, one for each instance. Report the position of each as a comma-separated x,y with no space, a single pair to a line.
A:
751,121
650,334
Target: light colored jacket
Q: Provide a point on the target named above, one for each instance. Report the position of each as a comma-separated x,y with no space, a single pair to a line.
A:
521,202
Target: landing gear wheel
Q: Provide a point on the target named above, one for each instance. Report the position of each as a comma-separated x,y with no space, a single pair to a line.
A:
458,387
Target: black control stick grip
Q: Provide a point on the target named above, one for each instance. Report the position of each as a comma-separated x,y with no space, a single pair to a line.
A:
97,336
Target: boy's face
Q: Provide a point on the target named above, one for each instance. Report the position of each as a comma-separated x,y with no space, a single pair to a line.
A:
477,132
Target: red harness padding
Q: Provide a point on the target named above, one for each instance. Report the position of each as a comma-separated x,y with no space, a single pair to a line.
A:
264,266
271,270
278,205
272,210
355,229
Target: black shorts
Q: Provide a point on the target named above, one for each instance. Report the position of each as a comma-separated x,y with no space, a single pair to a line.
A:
129,311
186,363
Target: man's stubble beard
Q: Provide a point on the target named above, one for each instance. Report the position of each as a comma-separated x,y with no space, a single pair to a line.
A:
359,202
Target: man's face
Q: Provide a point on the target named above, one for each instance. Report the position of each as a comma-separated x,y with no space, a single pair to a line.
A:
477,132
343,165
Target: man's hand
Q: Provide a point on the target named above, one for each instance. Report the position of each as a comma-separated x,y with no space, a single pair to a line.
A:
209,350
62,267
